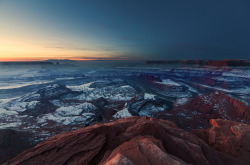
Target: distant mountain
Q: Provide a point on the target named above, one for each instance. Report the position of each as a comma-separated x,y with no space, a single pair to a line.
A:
217,63
63,61
27,63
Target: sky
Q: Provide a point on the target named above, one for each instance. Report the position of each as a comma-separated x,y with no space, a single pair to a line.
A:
32,30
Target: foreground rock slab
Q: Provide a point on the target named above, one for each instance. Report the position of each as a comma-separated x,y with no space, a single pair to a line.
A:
131,140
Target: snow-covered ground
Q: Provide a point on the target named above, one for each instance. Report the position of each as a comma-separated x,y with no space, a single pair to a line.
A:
69,96
181,101
169,82
75,110
113,92
16,85
149,96
81,88
122,113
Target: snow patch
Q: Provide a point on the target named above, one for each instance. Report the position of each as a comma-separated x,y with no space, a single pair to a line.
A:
75,110
5,112
169,82
125,86
24,85
149,96
9,125
109,92
83,87
70,114
181,101
122,113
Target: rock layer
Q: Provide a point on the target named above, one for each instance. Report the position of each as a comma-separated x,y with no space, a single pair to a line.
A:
132,140
142,150
198,111
230,138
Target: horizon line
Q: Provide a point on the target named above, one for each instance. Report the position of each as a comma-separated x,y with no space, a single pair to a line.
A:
51,60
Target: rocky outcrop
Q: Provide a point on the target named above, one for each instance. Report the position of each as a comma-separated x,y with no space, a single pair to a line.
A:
148,78
241,109
230,138
219,105
131,140
142,150
198,111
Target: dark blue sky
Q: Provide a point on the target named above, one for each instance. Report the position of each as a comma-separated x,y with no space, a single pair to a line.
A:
130,29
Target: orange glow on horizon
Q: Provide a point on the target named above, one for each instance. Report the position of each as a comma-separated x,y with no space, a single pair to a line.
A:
16,49
44,59
32,60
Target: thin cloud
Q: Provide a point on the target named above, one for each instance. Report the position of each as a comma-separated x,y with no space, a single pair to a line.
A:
117,57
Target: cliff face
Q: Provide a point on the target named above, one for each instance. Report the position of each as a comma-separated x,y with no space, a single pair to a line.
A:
131,140
146,141
221,106
196,112
230,138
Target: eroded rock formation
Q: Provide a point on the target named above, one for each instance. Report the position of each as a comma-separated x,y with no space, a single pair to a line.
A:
230,138
132,140
196,112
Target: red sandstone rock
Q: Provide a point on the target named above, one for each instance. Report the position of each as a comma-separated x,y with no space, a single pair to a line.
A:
221,106
144,150
125,141
198,111
228,137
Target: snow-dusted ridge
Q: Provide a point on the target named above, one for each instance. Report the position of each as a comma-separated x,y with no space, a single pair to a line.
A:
81,88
